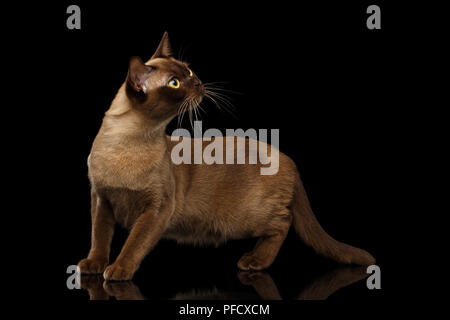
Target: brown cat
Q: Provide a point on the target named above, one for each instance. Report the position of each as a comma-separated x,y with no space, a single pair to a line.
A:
135,184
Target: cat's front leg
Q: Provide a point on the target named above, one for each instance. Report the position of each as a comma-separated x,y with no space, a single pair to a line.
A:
144,235
102,232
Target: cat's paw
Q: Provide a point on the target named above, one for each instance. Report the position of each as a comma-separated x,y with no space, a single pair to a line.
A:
92,266
249,262
119,272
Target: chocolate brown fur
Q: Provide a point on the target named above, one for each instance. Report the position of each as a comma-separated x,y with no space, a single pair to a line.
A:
135,184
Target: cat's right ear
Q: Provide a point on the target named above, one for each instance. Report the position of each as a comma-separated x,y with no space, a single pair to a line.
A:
164,49
138,75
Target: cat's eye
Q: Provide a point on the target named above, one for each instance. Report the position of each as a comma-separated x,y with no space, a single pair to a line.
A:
190,72
174,83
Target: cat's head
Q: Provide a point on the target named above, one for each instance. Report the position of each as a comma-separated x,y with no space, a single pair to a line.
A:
163,86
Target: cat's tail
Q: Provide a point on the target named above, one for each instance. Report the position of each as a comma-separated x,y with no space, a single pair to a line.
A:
309,229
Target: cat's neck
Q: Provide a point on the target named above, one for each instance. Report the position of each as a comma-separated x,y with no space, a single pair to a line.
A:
123,122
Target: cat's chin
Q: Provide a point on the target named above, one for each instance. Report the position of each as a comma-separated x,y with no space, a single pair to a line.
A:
199,100
200,95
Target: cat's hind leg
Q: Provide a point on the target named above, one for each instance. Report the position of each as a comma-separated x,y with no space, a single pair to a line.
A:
267,246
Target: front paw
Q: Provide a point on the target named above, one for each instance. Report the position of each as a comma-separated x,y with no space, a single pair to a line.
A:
119,272
92,266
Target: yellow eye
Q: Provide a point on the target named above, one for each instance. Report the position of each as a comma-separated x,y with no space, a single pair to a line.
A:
190,72
174,83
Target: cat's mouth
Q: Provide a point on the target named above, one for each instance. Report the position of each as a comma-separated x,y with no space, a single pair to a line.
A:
190,105
197,100
201,92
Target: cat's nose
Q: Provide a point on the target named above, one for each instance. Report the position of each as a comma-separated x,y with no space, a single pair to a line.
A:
197,82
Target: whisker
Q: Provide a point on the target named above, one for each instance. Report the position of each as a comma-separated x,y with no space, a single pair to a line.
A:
212,87
214,93
224,99
194,108
220,102
183,111
178,115
190,115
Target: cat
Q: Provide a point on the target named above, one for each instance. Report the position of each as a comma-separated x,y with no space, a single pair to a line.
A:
135,184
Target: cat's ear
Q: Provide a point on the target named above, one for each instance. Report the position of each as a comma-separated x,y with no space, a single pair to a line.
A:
164,49
138,74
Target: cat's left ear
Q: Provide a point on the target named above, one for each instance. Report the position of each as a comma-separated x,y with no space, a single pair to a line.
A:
138,75
164,49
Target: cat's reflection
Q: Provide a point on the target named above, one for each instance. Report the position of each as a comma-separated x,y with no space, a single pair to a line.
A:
99,289
266,289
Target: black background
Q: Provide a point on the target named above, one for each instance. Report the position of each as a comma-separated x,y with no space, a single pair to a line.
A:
313,70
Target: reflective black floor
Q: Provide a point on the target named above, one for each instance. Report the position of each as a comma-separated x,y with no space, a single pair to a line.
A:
177,272
262,284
